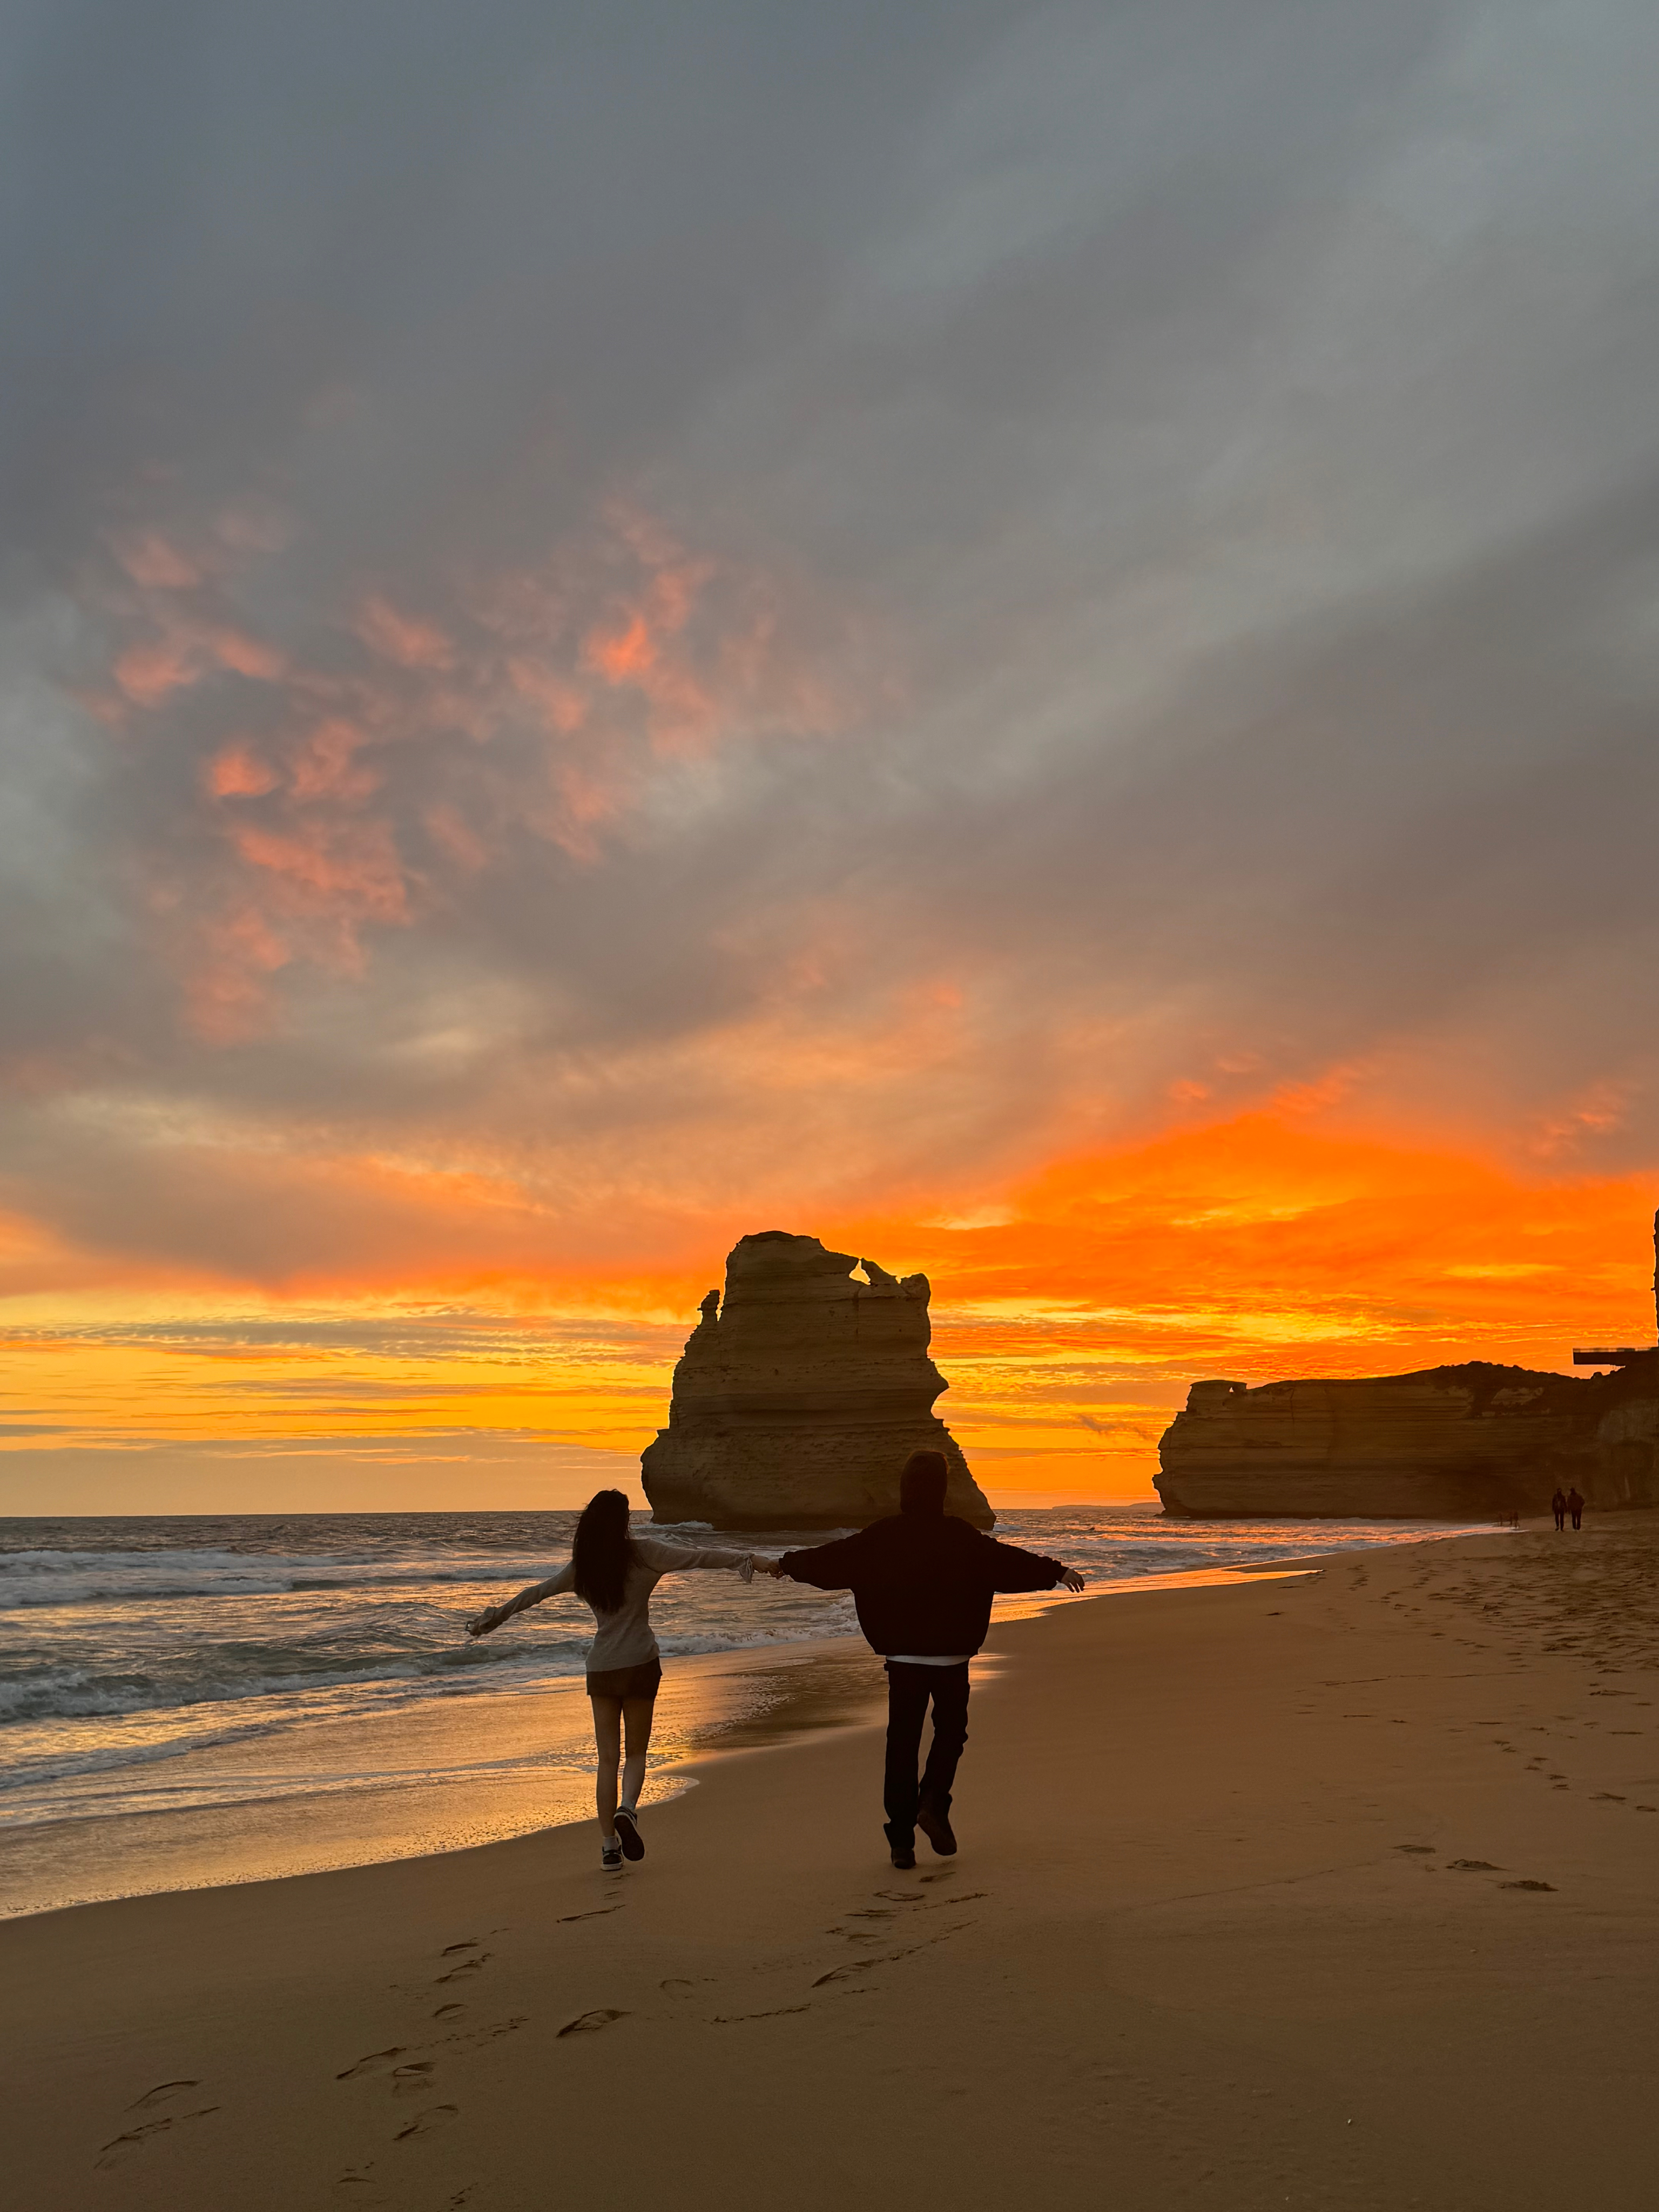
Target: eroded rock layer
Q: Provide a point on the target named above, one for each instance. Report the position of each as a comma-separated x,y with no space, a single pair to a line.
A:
1452,1442
801,1394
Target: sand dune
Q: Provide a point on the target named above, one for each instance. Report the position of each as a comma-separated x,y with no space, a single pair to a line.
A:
1334,1893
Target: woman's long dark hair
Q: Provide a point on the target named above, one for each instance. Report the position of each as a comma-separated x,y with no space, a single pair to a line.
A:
601,1551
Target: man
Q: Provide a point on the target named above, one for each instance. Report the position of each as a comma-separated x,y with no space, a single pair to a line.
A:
1576,1507
1559,1507
923,1582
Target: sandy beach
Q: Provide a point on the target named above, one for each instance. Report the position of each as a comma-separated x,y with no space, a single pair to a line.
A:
1334,1892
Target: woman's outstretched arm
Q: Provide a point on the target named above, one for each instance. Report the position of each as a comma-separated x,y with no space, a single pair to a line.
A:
492,1617
674,1559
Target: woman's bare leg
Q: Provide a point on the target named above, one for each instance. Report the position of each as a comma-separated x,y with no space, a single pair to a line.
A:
607,1738
637,1711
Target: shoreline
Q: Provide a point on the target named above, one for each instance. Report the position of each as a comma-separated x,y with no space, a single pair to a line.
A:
1333,1887
447,1774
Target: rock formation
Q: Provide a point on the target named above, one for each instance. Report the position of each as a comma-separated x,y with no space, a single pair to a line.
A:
799,1396
1459,1443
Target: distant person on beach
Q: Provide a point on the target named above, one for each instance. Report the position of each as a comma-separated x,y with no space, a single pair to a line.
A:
1576,1506
614,1573
1559,1507
923,1582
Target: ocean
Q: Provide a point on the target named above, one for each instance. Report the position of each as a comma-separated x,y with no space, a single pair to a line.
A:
213,1697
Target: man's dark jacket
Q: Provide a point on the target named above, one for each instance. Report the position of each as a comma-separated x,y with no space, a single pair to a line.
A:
922,1582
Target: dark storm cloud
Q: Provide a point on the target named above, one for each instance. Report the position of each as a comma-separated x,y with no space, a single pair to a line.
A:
600,599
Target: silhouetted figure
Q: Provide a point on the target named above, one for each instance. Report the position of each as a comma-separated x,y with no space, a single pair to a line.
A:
1576,1506
614,1575
923,1582
1559,1507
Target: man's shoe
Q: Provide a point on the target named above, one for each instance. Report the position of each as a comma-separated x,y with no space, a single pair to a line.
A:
627,1834
901,1843
936,1827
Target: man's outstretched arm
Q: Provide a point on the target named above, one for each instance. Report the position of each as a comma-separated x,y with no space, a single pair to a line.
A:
827,1566
1014,1570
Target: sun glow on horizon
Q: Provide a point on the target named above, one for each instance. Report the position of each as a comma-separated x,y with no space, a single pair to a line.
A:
1069,1315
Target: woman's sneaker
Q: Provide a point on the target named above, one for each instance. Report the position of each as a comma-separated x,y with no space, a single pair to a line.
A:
610,1856
627,1833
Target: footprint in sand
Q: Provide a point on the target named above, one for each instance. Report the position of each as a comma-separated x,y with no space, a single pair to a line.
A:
162,2094
376,2063
1549,1885
450,1950
1473,1866
1425,1850
674,1987
423,2124
589,2023
123,2146
466,1966
859,1966
407,2081
448,2011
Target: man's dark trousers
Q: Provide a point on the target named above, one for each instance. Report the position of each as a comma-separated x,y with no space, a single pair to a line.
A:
908,1689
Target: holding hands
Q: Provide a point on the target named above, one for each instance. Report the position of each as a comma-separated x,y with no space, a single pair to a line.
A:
768,1567
1071,1580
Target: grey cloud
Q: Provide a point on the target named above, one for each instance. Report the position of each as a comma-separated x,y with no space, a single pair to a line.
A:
1203,450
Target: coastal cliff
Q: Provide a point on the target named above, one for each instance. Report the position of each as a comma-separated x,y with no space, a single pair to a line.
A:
801,1394
1450,1442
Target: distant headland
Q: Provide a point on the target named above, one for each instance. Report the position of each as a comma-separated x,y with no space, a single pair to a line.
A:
1448,1442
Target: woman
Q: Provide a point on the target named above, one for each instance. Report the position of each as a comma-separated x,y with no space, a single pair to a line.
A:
615,1573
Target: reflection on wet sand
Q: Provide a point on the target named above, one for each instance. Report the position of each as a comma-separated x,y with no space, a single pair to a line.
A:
445,1775
441,1776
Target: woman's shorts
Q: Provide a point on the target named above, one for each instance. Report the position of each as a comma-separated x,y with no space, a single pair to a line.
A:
640,1682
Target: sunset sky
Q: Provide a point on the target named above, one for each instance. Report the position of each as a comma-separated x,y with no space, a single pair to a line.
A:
1025,638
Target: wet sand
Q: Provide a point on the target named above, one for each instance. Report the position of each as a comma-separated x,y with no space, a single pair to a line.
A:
1334,1892
441,1774
447,1775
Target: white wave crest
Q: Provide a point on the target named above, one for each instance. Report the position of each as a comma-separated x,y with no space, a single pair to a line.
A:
53,1578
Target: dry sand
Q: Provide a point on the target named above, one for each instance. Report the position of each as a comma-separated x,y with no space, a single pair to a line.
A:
1335,1892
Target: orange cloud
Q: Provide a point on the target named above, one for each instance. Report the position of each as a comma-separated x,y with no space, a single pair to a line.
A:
238,772
326,765
150,560
234,952
402,638
244,655
626,652
448,829
150,673
624,657
347,871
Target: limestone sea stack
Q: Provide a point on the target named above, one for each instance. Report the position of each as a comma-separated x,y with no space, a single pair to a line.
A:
1452,1442
801,1394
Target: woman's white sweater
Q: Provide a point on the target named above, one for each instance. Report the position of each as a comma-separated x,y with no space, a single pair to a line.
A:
624,1637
